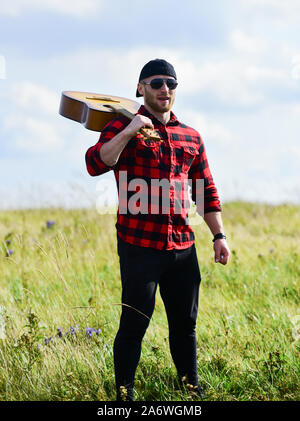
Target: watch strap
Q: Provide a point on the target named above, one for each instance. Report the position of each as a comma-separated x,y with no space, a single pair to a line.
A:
218,236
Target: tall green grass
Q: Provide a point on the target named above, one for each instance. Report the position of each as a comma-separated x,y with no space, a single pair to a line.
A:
65,275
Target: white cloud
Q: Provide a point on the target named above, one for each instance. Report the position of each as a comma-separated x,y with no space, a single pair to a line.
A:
75,8
31,118
283,12
247,44
223,78
30,95
210,130
255,73
32,134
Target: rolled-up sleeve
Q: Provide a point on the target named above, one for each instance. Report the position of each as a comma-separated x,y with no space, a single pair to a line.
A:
206,190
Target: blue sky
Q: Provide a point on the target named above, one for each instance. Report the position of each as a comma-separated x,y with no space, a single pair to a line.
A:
238,67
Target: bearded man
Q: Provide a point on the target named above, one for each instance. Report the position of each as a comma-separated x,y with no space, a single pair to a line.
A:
157,247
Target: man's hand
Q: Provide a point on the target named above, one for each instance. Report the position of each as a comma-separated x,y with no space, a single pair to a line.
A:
111,150
137,123
222,252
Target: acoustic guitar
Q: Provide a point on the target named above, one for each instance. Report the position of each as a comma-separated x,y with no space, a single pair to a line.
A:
94,111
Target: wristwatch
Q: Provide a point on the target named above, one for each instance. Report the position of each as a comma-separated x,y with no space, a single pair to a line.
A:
218,236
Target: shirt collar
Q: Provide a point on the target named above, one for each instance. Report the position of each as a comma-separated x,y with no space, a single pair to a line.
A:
172,122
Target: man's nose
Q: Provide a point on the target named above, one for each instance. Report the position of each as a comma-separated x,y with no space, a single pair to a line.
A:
165,86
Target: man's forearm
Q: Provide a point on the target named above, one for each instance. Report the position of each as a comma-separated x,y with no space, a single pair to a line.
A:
111,150
214,222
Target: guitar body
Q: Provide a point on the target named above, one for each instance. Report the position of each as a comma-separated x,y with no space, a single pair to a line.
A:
94,111
90,109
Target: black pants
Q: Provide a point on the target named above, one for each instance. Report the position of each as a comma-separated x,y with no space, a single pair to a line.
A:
177,273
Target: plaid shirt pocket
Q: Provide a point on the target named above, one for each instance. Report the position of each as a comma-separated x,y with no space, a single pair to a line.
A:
147,153
189,154
185,156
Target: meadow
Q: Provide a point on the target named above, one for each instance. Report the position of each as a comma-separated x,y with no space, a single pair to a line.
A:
60,302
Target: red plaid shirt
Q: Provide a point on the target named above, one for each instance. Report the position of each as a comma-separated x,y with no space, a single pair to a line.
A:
181,156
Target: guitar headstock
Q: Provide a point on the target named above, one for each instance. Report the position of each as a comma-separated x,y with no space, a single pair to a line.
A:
150,134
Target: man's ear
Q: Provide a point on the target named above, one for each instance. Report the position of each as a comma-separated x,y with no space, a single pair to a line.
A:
140,89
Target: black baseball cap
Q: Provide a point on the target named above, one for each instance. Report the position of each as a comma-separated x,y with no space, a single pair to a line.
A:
156,67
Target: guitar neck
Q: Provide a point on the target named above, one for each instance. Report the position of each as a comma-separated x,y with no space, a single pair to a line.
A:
145,131
125,113
120,110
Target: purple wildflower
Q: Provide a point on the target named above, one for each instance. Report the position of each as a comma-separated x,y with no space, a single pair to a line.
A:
47,340
73,330
50,223
9,252
60,332
7,242
89,331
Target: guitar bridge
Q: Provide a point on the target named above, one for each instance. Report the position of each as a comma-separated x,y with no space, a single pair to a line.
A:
97,98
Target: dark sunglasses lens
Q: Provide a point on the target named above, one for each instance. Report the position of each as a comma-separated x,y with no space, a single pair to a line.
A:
156,83
172,84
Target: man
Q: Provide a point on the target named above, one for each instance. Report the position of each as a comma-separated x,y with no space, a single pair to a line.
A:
156,246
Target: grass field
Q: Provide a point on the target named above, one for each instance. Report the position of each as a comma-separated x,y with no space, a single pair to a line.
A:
62,277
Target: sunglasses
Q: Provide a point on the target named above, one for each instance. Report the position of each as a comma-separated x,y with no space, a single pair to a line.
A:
158,83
